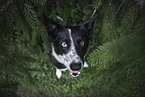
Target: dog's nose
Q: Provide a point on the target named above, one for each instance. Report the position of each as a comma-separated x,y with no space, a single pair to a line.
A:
75,66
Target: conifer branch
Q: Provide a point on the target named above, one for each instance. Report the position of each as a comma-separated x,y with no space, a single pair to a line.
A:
118,9
96,7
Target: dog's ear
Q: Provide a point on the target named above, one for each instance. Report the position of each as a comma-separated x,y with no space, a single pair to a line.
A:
88,25
52,27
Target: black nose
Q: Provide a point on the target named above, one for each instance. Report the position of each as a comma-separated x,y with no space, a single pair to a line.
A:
75,66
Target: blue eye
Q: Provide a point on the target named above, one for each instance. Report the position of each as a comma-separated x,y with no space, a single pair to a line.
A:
82,43
64,44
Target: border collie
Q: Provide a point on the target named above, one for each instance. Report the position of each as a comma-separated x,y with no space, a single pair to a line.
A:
69,45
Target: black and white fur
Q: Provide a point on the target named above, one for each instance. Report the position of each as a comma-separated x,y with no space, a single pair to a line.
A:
69,45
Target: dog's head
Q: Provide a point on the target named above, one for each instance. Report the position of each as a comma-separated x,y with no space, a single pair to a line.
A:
69,44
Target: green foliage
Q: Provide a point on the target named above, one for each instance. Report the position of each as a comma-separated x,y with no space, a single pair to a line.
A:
123,71
116,57
128,21
108,30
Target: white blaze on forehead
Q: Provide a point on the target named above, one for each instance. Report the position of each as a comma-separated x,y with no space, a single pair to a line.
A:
70,57
76,58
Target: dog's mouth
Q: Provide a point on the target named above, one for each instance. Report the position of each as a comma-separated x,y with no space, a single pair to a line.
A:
74,73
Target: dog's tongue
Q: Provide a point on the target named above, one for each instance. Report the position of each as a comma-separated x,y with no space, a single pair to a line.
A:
74,71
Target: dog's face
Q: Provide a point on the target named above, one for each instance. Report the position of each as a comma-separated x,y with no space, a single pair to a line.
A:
69,45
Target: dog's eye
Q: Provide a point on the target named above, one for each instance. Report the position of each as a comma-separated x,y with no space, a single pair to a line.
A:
82,43
64,44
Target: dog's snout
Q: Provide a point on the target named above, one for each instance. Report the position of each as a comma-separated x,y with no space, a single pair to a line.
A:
75,66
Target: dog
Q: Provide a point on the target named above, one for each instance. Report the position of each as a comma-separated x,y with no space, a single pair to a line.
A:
69,45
